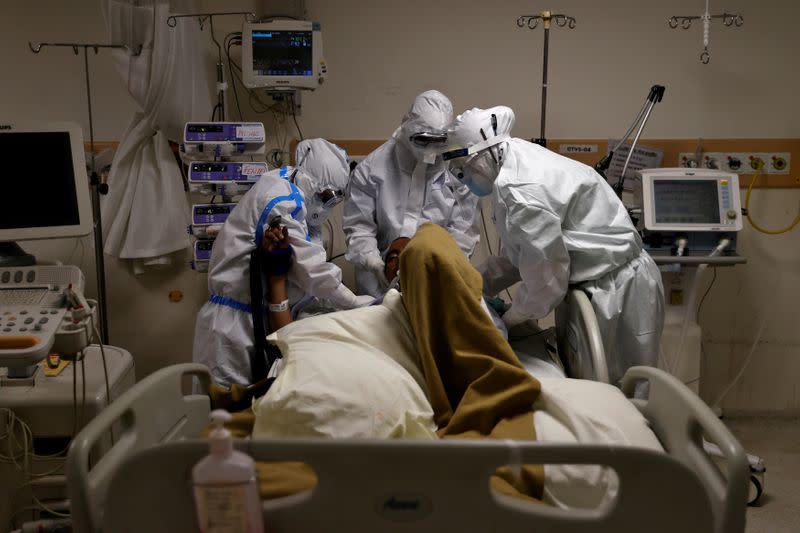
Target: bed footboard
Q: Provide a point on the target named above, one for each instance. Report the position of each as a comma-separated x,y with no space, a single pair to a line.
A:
681,419
153,411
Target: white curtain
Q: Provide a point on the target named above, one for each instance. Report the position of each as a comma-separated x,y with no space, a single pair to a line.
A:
146,210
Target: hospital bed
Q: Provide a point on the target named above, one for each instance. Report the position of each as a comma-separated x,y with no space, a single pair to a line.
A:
143,482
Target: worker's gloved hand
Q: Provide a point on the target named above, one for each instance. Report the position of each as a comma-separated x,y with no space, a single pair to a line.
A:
513,316
344,298
363,301
374,263
498,304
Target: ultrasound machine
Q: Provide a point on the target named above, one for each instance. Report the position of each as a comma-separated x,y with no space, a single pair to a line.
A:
53,379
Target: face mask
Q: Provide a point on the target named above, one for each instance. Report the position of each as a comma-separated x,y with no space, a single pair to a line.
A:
478,174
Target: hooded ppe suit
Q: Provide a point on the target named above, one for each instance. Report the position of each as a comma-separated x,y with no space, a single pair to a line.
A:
561,224
224,330
400,186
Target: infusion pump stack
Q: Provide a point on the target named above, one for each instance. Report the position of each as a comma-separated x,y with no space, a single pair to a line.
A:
49,370
689,221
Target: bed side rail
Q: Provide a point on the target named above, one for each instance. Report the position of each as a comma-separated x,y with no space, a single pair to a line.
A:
153,411
417,486
580,344
681,419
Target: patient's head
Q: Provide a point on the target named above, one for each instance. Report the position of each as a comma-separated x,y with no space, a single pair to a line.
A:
392,258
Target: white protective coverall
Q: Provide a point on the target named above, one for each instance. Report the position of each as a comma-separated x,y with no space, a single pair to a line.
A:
224,329
561,224
401,186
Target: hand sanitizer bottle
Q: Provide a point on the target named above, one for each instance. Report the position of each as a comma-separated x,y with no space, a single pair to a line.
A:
226,485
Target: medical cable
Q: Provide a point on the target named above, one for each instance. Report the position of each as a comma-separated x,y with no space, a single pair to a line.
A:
745,364
294,117
690,305
278,111
335,257
753,223
229,43
486,232
331,237
703,299
105,373
26,445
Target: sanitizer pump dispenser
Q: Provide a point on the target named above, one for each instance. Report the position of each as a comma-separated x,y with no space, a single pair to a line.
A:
226,485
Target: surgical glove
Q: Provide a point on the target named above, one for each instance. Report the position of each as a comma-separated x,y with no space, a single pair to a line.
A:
363,301
375,264
513,316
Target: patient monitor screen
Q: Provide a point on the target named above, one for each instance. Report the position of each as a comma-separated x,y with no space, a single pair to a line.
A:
686,201
38,181
282,53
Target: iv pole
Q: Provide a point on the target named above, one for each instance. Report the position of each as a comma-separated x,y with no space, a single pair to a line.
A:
97,188
532,21
685,22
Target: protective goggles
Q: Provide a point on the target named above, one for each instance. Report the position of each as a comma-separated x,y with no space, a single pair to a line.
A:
425,139
330,198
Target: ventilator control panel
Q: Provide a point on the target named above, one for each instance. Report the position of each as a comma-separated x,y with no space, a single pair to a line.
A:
690,200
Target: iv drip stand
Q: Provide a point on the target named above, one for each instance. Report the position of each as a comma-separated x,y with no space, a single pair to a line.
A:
532,21
97,188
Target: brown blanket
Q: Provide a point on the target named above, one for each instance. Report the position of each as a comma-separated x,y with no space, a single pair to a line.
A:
476,384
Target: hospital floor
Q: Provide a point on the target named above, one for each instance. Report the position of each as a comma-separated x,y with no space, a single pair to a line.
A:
777,441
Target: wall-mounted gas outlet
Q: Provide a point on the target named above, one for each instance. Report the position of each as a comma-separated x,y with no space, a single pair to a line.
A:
739,162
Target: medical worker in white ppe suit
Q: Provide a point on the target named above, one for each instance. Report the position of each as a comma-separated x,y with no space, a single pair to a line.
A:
400,186
302,197
560,224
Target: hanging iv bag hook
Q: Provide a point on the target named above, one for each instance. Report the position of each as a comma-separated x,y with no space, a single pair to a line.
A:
532,21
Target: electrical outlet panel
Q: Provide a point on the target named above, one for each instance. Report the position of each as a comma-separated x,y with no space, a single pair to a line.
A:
739,162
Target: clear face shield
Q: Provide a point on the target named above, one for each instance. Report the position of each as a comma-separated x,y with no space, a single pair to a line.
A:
478,166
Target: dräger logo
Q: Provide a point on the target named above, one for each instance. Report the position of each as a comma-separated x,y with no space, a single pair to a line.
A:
5,127
395,504
404,507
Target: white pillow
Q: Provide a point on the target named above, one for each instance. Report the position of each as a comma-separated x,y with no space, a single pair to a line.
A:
350,374
586,412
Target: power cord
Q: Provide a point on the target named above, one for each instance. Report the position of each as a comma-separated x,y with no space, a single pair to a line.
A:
753,223
294,117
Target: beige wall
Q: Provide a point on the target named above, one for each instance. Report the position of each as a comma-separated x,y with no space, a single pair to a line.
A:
381,53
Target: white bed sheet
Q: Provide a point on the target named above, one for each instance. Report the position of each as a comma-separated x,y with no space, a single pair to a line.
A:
370,354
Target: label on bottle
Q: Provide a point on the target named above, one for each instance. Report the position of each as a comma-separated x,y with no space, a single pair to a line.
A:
222,508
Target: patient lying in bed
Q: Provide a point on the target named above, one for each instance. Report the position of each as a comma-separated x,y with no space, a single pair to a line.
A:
429,363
